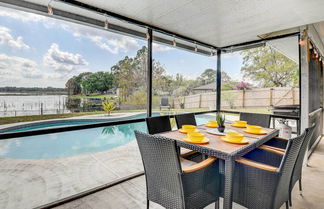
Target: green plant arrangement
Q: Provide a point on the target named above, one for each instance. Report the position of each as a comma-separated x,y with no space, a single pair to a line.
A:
108,106
220,118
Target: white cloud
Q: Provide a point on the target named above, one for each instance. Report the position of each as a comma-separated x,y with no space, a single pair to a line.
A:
63,62
22,16
7,39
114,43
161,48
20,71
15,67
27,17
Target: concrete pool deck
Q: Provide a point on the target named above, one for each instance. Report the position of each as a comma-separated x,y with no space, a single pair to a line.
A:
32,183
132,194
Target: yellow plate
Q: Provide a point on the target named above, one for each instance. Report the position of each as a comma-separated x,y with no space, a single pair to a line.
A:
263,132
204,141
185,132
244,140
210,126
238,126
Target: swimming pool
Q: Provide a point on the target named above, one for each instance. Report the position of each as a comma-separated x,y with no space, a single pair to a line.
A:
72,143
67,122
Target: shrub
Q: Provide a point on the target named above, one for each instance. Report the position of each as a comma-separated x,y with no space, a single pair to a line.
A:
137,99
244,86
108,106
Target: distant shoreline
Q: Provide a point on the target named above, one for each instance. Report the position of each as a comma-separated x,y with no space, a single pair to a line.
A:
31,91
31,94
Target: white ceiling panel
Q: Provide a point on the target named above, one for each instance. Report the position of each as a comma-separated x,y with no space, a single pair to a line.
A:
218,22
287,46
320,31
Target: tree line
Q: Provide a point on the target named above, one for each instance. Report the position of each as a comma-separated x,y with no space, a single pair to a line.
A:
88,82
13,89
264,66
130,74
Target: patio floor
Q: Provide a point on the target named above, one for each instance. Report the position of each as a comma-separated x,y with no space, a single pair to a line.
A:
28,183
131,194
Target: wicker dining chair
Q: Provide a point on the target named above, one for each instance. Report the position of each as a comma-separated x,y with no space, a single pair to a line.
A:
158,124
280,144
185,119
169,182
188,119
267,186
256,119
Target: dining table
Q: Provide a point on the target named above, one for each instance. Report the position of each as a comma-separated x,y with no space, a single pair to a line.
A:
226,151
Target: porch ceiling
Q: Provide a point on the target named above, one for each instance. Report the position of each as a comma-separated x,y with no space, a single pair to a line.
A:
218,22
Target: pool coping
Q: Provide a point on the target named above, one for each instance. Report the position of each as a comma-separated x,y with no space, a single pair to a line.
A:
93,118
87,118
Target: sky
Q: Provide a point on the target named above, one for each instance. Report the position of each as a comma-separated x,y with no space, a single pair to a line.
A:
41,51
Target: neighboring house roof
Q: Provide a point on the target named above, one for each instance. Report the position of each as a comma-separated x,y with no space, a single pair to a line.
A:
210,86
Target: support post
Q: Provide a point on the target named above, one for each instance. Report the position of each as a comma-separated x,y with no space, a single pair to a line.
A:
304,84
243,98
304,87
41,112
293,96
149,71
218,81
271,97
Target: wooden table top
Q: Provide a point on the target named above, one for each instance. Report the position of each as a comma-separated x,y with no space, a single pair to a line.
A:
218,145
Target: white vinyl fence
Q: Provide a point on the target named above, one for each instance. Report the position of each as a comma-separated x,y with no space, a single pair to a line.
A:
262,97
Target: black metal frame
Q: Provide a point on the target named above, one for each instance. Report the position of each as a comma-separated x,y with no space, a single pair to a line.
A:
149,71
299,81
218,80
66,128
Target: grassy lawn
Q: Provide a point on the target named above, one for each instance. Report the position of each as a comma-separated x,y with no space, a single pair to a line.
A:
92,96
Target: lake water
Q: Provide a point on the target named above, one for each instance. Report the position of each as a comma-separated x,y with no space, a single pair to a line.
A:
19,105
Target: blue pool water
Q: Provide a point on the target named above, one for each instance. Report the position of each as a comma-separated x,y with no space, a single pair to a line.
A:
42,126
72,123
74,142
